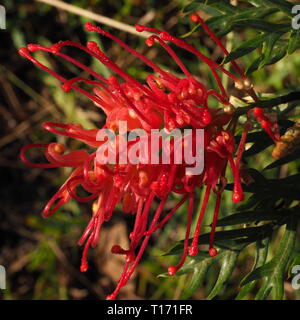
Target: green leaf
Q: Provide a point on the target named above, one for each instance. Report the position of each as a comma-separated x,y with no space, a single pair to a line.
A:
261,256
190,265
251,202
197,278
264,142
274,270
273,50
295,261
221,24
228,263
290,107
294,41
256,215
258,177
229,239
273,190
289,158
191,7
200,264
225,17
263,271
262,25
283,5
218,6
258,3
254,65
246,47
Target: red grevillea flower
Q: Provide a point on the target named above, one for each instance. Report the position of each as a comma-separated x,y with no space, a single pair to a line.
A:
163,101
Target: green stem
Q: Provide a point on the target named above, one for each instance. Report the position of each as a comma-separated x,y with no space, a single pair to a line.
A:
292,96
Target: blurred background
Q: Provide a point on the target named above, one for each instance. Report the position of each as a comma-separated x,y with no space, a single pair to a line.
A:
41,256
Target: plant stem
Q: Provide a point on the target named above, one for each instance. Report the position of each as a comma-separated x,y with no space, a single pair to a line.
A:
292,96
95,16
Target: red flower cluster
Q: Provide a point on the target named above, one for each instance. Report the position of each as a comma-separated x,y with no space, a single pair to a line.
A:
164,101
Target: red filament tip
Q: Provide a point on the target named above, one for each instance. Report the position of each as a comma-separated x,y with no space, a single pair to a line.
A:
212,252
172,270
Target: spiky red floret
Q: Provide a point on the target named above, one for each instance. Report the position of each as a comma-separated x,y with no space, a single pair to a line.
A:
165,101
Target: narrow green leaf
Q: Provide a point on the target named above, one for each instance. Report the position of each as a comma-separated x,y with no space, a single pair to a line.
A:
258,3
290,107
190,32
228,263
263,292
295,261
261,272
254,66
289,158
283,5
197,278
258,177
274,270
258,146
240,237
274,49
222,6
262,25
248,204
294,42
263,13
191,7
246,47
255,215
261,256
220,23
